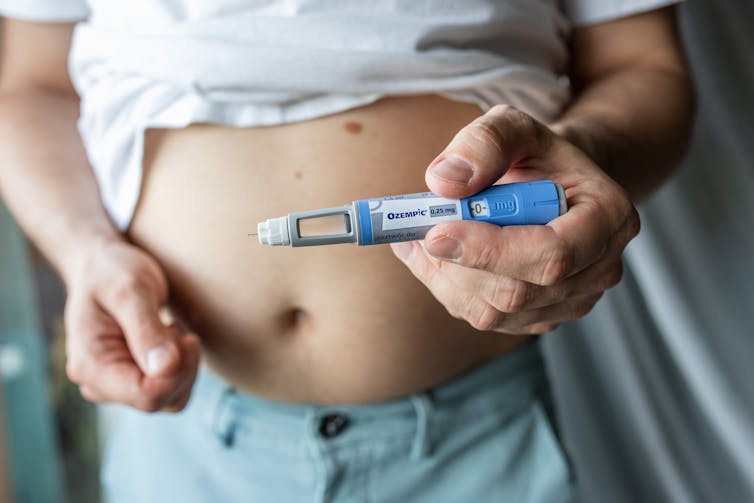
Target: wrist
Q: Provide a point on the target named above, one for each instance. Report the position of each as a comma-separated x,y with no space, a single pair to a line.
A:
84,250
584,138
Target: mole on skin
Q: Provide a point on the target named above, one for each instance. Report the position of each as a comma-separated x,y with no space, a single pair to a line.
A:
353,127
298,175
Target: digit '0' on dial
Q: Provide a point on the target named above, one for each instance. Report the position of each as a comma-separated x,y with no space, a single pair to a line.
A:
479,208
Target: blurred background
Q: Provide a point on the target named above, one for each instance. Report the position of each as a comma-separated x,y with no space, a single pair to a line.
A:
49,447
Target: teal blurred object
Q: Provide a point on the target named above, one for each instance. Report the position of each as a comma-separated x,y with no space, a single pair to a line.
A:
34,455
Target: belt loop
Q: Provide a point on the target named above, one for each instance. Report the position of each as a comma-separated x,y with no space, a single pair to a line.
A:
421,447
225,421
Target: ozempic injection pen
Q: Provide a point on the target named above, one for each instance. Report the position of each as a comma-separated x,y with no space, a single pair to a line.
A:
408,217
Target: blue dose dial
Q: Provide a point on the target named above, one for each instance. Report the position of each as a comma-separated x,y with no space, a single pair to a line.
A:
523,203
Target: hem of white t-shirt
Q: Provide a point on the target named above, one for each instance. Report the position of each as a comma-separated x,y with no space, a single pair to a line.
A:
43,15
596,16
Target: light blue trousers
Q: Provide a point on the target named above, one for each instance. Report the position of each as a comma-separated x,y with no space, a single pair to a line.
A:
482,437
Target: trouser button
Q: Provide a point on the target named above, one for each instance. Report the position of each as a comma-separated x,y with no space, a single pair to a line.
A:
332,425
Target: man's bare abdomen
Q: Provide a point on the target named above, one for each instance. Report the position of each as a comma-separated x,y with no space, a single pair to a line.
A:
330,324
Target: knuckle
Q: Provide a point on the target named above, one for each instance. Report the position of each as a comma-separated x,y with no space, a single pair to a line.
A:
455,313
432,273
124,287
436,267
489,133
144,325
460,307
614,276
485,258
495,126
486,318
523,122
512,115
519,296
558,265
634,224
74,369
423,266
453,310
627,215
585,306
501,109
139,282
512,295
583,309
178,404
148,404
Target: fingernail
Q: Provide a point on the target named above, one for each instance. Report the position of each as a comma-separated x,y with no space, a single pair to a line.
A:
159,358
453,169
166,316
444,247
403,249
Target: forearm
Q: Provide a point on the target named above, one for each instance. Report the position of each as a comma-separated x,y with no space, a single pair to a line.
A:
634,124
45,178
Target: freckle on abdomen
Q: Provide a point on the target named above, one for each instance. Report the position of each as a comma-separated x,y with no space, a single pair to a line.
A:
353,127
298,175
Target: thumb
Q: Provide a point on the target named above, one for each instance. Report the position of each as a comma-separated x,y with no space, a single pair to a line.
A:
485,149
154,346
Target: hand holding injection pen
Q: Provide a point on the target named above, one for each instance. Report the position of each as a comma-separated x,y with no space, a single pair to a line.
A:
408,217
521,279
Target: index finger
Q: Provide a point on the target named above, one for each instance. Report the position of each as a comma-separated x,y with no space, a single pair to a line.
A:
114,376
124,383
539,254
137,311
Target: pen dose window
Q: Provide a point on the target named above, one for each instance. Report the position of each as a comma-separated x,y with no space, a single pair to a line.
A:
479,208
324,226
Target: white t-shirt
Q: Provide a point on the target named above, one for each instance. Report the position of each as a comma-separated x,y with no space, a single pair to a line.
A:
169,63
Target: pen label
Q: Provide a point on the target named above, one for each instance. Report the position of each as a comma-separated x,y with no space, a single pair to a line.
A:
410,216
443,210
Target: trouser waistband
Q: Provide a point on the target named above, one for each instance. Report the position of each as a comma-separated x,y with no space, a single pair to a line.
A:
505,384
